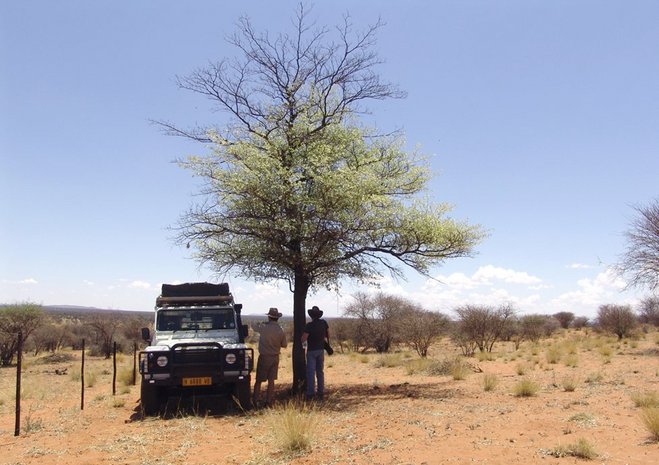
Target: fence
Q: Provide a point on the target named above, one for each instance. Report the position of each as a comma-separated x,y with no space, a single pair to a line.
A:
19,368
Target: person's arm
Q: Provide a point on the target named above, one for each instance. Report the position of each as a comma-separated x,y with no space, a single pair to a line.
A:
305,336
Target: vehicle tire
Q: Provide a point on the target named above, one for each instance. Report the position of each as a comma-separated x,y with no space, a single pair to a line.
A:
242,393
150,399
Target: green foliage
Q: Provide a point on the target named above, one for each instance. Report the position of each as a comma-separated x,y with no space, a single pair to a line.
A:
23,317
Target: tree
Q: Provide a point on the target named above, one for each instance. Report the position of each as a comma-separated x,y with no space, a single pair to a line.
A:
296,189
482,325
379,320
23,317
564,318
104,328
649,311
640,261
422,328
618,319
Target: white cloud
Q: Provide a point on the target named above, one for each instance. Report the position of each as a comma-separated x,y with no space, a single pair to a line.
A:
591,293
579,266
492,273
486,276
139,285
21,281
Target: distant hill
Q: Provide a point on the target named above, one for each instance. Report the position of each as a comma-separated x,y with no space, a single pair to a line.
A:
77,310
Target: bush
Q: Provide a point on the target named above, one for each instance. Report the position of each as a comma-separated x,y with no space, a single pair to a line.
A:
618,319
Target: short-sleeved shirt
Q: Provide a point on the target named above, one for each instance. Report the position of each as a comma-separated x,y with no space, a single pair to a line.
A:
272,338
317,331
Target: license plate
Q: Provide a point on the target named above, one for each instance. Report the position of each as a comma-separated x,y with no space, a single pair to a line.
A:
203,381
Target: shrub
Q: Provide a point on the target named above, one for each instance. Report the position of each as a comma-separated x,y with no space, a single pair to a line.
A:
650,418
618,319
526,388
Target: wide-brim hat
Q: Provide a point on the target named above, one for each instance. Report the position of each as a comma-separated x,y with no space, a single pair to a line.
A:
274,313
315,312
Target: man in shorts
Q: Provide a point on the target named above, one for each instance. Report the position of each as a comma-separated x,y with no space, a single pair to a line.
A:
272,339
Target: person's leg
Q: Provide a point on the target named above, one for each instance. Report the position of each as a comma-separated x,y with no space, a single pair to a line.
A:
270,393
320,374
311,373
257,393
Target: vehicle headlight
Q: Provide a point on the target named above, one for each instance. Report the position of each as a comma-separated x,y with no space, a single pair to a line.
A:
230,358
162,361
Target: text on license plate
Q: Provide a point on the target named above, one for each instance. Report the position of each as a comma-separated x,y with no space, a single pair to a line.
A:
201,381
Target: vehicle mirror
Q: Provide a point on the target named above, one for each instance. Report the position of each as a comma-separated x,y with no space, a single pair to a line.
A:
146,334
245,330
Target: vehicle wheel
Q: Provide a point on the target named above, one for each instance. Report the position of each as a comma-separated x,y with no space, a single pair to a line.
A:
243,394
150,398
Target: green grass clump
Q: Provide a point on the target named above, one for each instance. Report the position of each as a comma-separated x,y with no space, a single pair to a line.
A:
526,388
581,449
650,418
490,382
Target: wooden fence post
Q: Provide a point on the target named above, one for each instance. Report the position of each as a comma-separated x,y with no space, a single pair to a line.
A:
134,379
19,360
82,378
114,368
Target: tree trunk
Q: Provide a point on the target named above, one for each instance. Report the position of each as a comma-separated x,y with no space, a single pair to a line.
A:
300,289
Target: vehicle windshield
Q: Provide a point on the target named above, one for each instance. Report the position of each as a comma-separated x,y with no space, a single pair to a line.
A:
193,319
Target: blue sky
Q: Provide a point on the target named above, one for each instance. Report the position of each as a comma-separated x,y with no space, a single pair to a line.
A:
539,118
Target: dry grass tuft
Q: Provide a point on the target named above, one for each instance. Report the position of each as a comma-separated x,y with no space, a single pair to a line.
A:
650,418
490,382
293,426
646,399
569,384
581,449
526,388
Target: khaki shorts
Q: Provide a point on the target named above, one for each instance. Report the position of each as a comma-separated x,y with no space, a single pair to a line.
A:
266,368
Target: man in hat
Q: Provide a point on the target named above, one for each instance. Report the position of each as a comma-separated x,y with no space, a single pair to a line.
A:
316,332
272,339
